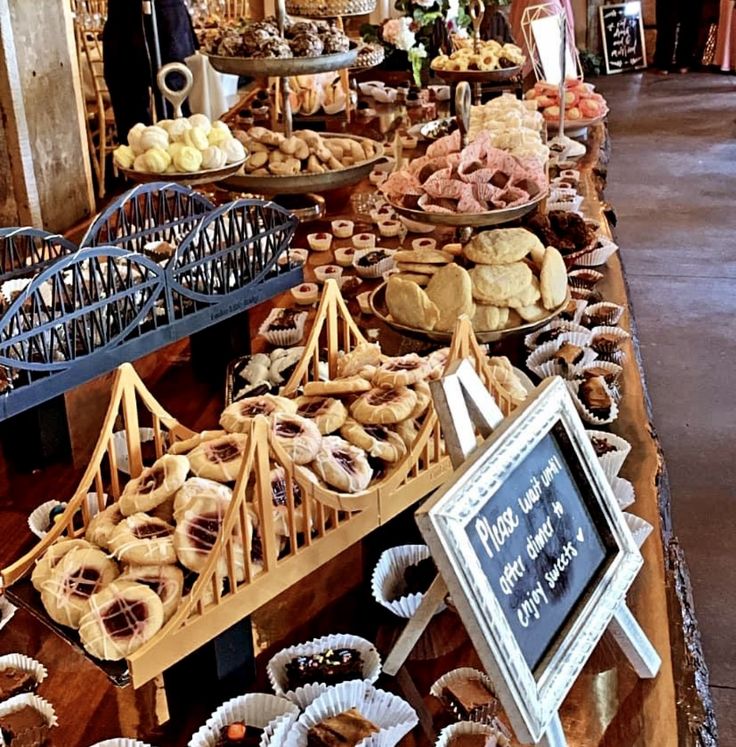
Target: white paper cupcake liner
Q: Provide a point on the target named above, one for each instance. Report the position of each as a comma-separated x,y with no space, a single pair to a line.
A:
585,413
603,251
584,279
471,727
283,338
11,705
273,714
39,518
620,334
121,742
7,611
305,695
624,492
611,313
376,270
388,574
120,446
567,206
541,363
25,664
393,716
530,341
640,529
613,460
465,674
611,368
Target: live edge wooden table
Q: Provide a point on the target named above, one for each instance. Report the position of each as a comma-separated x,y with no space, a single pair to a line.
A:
608,706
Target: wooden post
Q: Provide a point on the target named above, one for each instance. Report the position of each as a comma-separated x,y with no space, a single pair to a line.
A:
42,131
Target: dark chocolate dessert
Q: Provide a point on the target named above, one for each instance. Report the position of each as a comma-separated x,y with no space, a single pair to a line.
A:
345,729
238,733
15,681
329,667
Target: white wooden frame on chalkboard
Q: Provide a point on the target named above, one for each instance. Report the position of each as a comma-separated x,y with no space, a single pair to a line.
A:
532,700
601,12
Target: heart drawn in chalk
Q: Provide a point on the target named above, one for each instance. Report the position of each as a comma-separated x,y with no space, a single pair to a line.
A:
579,535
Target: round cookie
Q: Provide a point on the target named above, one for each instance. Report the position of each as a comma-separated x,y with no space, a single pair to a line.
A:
451,291
327,413
527,297
120,619
401,371
81,573
349,385
237,417
280,503
553,279
384,406
502,246
489,318
52,557
196,486
410,305
533,313
143,540
342,465
154,485
166,581
299,437
220,458
494,284
102,525
378,440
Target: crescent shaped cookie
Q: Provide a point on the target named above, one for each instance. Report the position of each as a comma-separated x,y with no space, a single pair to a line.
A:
377,440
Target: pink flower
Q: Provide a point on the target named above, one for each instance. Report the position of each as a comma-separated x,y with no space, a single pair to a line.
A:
397,31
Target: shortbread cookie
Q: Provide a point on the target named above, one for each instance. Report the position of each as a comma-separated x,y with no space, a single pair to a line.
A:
417,268
451,291
424,397
489,318
414,277
377,440
236,418
299,437
327,413
408,432
423,256
401,371
529,295
120,619
102,525
514,320
553,279
494,284
410,305
348,385
166,581
502,246
280,496
384,406
196,486
220,458
362,355
154,485
342,465
144,540
79,574
52,557
187,444
533,313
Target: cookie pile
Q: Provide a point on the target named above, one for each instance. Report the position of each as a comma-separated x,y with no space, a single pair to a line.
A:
126,578
491,56
513,279
261,39
581,100
274,154
565,230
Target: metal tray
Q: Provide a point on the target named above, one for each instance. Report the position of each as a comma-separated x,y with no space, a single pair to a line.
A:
478,76
285,185
377,301
472,220
262,67
190,179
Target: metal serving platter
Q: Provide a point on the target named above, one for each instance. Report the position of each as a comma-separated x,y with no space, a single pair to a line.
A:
472,220
478,76
190,179
262,67
289,185
377,300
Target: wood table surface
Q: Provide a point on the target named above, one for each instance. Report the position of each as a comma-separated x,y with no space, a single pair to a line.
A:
608,706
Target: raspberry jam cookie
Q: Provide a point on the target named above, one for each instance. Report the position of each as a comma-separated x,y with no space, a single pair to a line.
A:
299,437
154,485
401,371
384,406
342,465
220,458
236,418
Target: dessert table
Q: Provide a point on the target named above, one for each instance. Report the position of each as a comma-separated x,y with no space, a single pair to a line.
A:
607,706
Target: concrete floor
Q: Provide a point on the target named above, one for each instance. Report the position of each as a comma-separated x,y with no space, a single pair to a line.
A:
672,182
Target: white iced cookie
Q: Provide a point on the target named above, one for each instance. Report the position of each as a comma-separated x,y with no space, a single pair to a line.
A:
164,124
123,157
188,159
213,158
218,136
140,163
157,160
154,137
202,121
178,127
196,137
134,138
234,150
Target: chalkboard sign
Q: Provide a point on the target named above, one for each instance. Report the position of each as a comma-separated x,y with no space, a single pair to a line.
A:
622,30
536,553
541,542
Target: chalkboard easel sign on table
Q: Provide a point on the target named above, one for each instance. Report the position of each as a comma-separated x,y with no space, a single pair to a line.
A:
622,30
532,545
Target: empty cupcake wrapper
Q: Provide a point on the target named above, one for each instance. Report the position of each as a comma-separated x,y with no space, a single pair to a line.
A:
451,732
7,611
530,341
605,314
388,575
640,529
541,363
303,696
624,492
602,252
274,714
121,742
585,413
37,735
120,446
613,460
25,664
484,716
393,716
